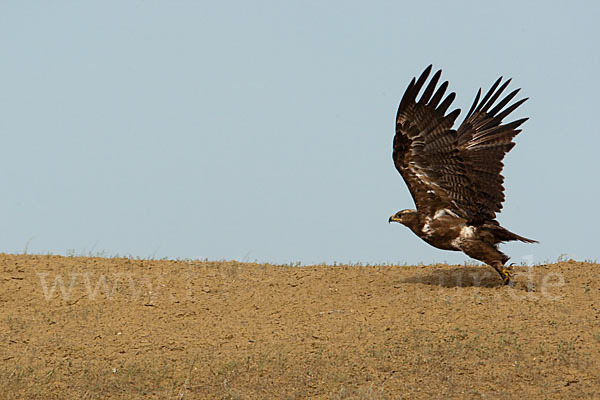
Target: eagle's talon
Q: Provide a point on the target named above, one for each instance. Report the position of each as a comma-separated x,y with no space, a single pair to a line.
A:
506,275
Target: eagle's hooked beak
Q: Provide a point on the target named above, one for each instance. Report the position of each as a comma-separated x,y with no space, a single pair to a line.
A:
395,218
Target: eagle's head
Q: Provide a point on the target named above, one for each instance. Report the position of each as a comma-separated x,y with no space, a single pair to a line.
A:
405,217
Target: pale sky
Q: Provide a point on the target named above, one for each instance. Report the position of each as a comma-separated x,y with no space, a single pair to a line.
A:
262,130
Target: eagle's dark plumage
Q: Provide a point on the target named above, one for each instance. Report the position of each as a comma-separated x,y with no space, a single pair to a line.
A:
454,175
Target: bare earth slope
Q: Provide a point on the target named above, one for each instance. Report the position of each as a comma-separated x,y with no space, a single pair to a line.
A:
95,328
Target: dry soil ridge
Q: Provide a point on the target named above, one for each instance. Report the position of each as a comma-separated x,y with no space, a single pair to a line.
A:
95,328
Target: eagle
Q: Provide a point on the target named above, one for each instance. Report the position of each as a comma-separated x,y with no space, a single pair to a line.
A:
454,175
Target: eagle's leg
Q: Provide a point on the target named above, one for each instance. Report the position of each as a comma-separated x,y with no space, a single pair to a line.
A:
489,254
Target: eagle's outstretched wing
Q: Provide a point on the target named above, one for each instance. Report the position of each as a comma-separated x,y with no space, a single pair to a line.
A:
445,168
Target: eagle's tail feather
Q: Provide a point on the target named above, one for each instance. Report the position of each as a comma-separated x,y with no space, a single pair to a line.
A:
523,239
504,235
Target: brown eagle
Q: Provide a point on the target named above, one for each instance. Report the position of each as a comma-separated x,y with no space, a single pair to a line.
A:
454,175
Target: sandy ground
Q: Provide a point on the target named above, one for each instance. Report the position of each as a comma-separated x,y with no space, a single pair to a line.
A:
95,328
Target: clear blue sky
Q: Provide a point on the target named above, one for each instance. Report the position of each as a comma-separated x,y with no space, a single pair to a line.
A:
262,130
